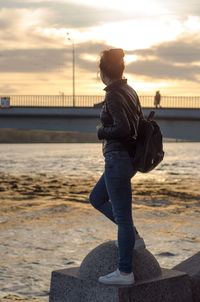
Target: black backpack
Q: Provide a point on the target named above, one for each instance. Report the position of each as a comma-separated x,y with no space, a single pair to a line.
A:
146,150
149,147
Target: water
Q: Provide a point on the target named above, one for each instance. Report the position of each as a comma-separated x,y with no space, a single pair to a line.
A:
39,233
181,160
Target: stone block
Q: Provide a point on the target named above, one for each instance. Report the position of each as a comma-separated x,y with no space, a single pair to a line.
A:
68,286
153,284
104,259
191,266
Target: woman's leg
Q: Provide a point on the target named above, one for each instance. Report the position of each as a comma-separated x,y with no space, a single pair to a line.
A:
118,173
100,200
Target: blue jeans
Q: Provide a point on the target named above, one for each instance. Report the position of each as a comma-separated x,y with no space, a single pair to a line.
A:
112,196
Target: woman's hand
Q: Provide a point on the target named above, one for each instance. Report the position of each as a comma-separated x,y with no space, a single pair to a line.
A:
98,127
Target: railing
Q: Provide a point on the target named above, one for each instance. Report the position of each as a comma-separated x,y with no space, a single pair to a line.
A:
90,101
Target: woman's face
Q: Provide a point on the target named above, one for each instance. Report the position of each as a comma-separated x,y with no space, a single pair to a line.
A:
104,78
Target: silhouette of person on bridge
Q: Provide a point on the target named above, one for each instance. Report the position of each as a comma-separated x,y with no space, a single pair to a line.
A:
157,99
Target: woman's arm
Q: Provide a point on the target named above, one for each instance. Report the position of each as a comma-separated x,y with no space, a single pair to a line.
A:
121,126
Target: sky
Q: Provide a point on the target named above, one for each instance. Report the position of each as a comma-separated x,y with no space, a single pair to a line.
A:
161,40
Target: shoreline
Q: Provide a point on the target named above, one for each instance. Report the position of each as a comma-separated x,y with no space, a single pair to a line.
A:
22,136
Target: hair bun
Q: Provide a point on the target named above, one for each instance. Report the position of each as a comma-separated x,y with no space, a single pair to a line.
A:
114,54
118,52
112,62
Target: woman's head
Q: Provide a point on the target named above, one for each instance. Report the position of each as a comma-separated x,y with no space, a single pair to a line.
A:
112,64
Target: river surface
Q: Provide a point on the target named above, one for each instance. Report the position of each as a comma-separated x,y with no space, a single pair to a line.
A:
181,159
46,222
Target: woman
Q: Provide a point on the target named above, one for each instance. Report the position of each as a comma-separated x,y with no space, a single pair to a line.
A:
112,194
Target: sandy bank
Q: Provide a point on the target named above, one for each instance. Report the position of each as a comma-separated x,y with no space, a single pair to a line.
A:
45,136
12,298
48,136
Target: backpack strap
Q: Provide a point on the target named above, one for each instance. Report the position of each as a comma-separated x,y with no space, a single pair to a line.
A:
131,104
140,114
132,111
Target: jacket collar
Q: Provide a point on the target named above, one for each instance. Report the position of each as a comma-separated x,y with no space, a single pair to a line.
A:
115,84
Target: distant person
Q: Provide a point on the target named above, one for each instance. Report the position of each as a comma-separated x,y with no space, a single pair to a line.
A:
157,99
112,195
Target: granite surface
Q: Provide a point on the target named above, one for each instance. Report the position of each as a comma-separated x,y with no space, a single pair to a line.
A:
153,284
171,286
104,259
192,267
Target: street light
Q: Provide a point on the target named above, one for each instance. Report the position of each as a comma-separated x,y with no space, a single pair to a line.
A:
73,67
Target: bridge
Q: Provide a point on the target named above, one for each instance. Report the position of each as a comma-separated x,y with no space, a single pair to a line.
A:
175,122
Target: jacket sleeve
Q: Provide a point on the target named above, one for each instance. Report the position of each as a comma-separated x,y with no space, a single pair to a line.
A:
120,128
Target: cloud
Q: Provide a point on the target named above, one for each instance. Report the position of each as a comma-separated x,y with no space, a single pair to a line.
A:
19,29
169,60
183,8
33,60
91,47
158,69
69,14
44,23
185,49
50,59
29,44
7,89
154,63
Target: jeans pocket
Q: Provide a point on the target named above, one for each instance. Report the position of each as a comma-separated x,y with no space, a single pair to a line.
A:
119,165
109,161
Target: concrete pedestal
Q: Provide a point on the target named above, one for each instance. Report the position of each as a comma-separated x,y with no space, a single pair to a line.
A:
153,284
191,266
171,286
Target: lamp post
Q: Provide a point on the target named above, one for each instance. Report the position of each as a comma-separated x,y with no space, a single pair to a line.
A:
73,68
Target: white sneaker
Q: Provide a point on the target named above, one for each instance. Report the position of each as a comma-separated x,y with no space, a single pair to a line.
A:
139,244
117,278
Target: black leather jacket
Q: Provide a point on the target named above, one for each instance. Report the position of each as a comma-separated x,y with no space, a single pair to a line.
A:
119,117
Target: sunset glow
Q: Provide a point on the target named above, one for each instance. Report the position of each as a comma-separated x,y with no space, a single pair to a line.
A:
161,42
